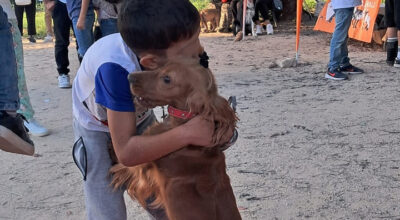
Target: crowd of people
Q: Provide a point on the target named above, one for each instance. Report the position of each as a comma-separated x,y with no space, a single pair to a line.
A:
231,18
103,107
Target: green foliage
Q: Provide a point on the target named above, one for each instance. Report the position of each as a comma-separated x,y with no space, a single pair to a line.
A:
40,24
200,4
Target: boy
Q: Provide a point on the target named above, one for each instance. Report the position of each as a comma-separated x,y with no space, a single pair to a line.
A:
339,63
392,20
103,106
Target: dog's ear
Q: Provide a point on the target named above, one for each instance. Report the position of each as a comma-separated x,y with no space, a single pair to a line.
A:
224,117
199,100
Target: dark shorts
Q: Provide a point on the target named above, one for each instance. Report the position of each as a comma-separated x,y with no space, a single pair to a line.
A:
392,13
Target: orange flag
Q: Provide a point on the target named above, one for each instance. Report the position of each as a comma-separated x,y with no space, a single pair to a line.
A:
298,25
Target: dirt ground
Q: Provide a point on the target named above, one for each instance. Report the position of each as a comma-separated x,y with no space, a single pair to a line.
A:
307,148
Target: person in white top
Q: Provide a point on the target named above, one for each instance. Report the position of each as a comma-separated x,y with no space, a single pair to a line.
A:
339,63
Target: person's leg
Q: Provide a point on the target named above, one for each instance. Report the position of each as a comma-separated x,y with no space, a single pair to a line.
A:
338,47
392,41
62,27
234,10
19,13
223,20
397,21
9,98
102,201
108,26
26,108
49,25
30,17
48,22
13,136
84,37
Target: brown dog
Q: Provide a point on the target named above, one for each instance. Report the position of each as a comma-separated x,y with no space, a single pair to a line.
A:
190,183
212,16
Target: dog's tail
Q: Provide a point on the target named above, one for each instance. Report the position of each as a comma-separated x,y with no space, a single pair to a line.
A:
120,176
139,182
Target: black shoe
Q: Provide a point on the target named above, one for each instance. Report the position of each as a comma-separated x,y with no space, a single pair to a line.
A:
350,69
32,39
396,62
13,134
336,75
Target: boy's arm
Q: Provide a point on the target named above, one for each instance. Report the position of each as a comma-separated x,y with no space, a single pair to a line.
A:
134,150
82,15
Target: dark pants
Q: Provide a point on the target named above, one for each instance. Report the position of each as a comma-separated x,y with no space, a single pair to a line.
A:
237,12
30,16
263,7
9,97
62,28
392,13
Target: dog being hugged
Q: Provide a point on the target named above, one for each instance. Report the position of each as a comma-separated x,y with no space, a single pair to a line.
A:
190,183
211,16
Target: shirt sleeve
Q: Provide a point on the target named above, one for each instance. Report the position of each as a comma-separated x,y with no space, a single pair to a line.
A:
112,88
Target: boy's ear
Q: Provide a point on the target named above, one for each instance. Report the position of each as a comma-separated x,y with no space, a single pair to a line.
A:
151,61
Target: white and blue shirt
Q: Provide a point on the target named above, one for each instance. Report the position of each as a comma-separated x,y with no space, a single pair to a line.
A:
345,3
101,82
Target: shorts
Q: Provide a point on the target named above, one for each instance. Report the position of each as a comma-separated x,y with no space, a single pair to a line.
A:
392,13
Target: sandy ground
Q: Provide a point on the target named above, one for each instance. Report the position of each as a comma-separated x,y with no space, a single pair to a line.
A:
308,147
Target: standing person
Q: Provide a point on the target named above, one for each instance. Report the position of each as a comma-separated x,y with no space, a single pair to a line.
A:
49,24
30,18
82,16
13,136
392,20
339,62
225,18
26,108
62,27
107,15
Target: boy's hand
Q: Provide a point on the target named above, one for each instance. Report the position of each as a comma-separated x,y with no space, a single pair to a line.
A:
199,132
81,23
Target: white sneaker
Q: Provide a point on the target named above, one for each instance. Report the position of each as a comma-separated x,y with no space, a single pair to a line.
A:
48,39
64,82
258,29
270,29
35,128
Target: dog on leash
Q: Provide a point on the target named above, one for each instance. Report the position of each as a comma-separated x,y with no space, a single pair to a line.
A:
211,16
190,183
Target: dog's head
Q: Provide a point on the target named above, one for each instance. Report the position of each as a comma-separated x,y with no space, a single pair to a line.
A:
185,85
176,84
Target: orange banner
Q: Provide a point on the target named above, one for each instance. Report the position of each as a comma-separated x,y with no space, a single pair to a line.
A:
362,24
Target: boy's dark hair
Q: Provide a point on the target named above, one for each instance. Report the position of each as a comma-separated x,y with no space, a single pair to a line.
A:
153,25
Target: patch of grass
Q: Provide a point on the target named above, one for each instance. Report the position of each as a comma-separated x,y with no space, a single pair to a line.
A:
40,24
200,4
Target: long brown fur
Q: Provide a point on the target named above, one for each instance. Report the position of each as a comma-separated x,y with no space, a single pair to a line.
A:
190,183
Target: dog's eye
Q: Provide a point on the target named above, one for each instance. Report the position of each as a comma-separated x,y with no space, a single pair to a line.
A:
167,80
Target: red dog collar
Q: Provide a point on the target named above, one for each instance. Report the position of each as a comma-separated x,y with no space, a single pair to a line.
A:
180,113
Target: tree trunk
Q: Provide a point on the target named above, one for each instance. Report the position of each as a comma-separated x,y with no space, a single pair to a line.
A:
289,9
